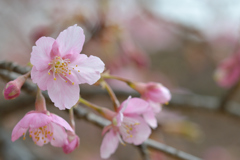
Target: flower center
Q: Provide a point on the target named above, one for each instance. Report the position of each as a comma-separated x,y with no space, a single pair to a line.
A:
60,68
41,134
128,128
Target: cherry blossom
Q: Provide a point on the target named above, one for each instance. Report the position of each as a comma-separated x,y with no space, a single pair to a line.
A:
44,127
127,126
59,68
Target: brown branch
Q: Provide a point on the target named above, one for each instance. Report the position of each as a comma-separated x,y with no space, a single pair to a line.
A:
228,95
83,113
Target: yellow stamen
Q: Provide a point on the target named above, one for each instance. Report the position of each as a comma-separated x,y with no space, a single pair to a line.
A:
55,79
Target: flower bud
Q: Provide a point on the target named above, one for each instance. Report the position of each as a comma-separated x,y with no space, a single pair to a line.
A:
72,143
13,88
155,92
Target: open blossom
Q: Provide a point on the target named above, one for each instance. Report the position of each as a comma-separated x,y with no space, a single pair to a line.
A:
43,127
59,68
72,142
155,94
228,72
13,88
127,125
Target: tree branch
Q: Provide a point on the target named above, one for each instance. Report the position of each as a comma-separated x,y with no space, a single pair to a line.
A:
83,113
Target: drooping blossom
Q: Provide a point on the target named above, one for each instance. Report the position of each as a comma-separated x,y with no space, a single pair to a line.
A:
43,128
228,72
156,95
72,142
127,126
59,68
13,88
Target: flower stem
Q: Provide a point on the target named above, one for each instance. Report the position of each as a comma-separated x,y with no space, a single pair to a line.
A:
89,104
113,97
71,115
27,75
40,104
108,114
108,76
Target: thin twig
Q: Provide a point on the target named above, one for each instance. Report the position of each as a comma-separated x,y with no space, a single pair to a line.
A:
114,99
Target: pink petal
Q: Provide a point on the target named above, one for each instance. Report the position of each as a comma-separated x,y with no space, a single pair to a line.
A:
59,135
89,67
55,50
40,56
155,106
70,41
135,106
64,95
106,128
149,117
41,78
109,144
140,132
34,120
60,121
18,132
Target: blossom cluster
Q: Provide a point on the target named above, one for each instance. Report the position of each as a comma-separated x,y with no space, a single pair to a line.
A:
59,68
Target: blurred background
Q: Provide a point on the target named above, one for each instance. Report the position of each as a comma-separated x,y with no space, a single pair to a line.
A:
178,43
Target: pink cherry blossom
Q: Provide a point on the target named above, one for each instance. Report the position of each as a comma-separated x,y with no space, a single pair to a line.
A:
43,127
155,94
59,68
127,125
72,142
228,72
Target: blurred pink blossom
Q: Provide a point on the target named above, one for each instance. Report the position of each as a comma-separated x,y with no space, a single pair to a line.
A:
228,72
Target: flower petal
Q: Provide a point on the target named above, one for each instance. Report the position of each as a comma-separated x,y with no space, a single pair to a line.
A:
64,95
60,121
40,56
41,78
18,132
140,132
149,117
155,106
70,41
109,144
59,135
88,69
34,120
135,106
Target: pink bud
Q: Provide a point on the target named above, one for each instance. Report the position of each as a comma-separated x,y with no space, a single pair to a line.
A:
72,143
13,88
155,92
